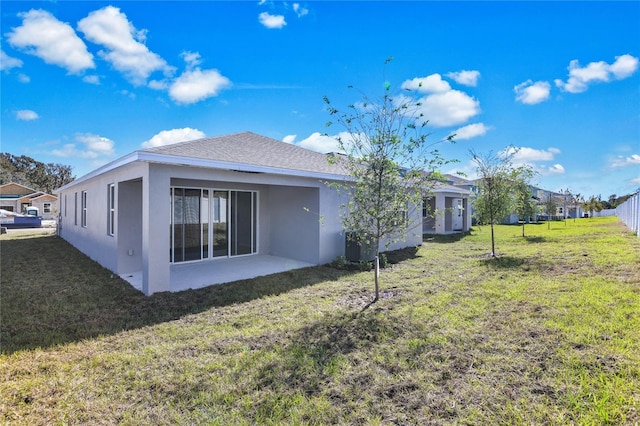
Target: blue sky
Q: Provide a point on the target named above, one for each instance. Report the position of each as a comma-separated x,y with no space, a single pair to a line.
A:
84,83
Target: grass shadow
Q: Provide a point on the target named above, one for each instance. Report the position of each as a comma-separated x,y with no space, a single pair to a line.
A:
53,294
444,238
317,351
535,239
504,262
401,255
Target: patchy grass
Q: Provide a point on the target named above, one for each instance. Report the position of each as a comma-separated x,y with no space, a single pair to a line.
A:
546,333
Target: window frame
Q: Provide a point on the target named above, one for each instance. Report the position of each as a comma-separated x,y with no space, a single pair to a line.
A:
83,211
111,209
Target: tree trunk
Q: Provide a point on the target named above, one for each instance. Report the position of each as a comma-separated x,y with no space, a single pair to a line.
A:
523,229
377,278
493,243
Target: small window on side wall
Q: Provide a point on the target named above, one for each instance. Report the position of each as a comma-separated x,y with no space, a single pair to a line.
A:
83,203
111,213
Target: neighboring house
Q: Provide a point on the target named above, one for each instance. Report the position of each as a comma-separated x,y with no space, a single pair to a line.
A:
447,209
565,208
208,211
16,198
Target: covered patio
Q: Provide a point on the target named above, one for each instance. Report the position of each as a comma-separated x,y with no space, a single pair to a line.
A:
194,275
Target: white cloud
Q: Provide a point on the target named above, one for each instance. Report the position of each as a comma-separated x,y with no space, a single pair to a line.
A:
91,79
289,138
465,77
7,62
167,137
299,10
581,77
624,66
126,51
23,78
55,42
430,84
87,146
471,131
442,105
196,85
532,157
556,169
27,115
531,93
448,108
158,84
326,144
525,155
272,21
320,143
192,59
620,161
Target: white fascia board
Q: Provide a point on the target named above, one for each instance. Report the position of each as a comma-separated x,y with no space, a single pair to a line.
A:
100,170
153,157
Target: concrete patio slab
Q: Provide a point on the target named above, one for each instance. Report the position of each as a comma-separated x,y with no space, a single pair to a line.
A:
194,275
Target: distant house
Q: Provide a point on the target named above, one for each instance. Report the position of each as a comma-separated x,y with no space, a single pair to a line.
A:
565,207
208,211
448,209
16,198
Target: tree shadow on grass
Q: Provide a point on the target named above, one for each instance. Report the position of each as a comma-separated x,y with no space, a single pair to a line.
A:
504,262
444,238
53,294
313,353
535,239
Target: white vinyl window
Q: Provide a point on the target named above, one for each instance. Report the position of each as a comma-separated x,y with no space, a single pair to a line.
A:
111,213
83,201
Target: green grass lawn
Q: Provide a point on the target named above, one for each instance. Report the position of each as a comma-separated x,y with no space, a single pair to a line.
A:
546,333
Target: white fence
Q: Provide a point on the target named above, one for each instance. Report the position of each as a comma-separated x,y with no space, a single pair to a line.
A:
629,213
605,212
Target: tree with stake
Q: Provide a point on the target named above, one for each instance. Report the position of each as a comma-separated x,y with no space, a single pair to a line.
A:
551,206
525,206
391,165
495,198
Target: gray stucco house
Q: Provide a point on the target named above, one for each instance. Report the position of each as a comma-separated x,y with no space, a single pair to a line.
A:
208,211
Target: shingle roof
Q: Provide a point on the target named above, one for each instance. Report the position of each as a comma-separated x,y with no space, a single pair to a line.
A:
253,149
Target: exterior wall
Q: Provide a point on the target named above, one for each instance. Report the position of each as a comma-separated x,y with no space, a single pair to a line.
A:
128,226
295,223
93,239
40,202
332,238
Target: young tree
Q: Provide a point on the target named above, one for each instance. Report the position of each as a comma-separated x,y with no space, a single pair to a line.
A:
576,200
594,204
525,205
391,165
495,198
550,205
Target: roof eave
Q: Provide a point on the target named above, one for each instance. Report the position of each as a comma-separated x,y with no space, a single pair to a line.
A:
153,157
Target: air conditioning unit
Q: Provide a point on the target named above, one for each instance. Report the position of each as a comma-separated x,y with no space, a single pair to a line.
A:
356,251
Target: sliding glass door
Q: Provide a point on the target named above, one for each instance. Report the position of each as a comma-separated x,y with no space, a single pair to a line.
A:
226,221
220,223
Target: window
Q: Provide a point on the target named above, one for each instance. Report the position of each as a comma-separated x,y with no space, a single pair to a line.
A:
75,208
46,207
111,206
65,205
83,201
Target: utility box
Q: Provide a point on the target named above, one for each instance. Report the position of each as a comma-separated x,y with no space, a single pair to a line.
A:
355,251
